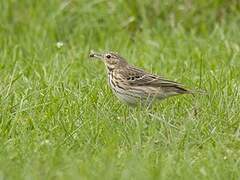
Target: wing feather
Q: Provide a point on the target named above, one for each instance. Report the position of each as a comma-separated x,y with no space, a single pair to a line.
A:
137,77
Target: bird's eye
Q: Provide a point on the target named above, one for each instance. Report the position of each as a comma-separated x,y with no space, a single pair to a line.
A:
108,56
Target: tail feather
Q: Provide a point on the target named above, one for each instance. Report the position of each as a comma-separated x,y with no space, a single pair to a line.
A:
181,90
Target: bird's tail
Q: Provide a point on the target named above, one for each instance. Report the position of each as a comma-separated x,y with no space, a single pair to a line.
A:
183,90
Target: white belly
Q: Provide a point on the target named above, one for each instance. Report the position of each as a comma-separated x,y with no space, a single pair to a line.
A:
127,98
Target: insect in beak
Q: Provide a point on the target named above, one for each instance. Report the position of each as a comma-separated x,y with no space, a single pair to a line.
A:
96,55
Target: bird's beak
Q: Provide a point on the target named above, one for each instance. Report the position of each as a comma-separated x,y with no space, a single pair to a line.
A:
96,55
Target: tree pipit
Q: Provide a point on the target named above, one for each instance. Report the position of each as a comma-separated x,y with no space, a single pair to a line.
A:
133,85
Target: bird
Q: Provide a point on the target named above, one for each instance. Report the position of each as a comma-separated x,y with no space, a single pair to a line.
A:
133,85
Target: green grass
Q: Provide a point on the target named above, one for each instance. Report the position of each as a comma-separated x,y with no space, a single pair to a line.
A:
60,120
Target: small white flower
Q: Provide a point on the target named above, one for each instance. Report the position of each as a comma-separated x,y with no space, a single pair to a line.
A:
45,142
59,44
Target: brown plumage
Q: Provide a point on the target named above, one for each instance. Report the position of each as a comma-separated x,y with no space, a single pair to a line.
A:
133,85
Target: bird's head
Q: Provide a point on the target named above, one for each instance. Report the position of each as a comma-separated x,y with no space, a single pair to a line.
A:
110,59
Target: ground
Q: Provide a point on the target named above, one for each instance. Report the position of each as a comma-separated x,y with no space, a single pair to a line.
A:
60,120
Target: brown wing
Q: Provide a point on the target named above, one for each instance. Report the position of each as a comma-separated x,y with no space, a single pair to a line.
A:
137,77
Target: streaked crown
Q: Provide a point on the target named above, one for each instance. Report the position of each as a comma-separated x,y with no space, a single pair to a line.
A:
110,59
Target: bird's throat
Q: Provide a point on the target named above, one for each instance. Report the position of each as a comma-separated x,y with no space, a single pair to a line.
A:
110,69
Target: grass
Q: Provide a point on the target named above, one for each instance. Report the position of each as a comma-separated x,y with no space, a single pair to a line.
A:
60,120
